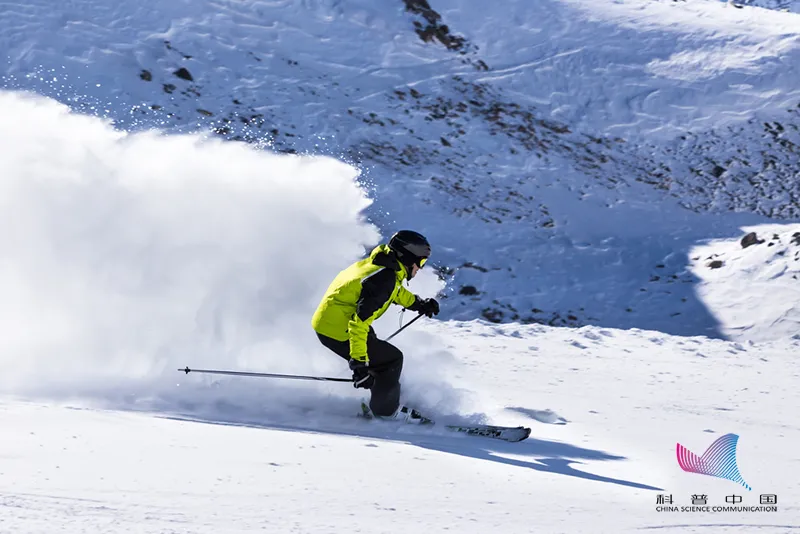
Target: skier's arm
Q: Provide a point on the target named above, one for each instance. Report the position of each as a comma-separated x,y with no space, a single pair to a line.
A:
376,290
413,302
405,298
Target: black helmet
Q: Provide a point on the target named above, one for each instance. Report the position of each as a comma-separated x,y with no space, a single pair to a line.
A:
410,247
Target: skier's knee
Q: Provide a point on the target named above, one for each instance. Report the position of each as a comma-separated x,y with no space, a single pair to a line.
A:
395,356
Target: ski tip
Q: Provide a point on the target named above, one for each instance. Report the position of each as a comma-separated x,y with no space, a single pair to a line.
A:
522,434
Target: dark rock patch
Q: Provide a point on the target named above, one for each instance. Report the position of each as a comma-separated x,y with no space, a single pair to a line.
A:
184,74
751,239
468,290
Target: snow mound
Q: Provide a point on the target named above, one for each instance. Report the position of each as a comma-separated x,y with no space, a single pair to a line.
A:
751,284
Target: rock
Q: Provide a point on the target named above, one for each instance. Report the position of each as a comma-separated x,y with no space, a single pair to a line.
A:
433,27
468,290
146,75
492,315
183,74
716,264
751,239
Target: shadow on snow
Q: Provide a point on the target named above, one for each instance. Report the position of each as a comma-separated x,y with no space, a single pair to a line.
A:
546,456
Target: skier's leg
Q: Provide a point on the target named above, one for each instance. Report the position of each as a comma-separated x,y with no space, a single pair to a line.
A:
341,348
386,365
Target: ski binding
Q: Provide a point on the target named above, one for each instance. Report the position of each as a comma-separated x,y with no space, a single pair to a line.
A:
505,433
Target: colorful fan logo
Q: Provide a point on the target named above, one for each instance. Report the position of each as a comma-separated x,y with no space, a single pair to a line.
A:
719,460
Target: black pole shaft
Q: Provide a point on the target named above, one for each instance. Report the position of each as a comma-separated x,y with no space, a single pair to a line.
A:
409,323
264,375
293,377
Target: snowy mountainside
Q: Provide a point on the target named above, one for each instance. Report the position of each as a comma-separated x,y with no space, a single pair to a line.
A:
539,133
126,256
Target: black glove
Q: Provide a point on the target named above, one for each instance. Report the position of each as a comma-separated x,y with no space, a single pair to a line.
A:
427,307
361,375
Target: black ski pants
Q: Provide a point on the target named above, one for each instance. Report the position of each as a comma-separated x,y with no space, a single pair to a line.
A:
385,364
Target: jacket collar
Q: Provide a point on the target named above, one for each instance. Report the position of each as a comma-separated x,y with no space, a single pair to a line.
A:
385,257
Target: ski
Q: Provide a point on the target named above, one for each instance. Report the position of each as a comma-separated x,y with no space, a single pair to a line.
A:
506,433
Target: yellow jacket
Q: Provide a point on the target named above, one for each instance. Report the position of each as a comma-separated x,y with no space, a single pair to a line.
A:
360,294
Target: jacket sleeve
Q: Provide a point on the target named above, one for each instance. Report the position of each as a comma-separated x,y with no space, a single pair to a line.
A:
406,298
376,290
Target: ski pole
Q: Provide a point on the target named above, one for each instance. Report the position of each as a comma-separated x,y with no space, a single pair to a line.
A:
404,326
187,370
264,375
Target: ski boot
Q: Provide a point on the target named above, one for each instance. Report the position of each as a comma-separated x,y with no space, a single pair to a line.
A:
404,414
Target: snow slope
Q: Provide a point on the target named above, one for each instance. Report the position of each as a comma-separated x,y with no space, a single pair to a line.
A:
128,256
578,145
74,468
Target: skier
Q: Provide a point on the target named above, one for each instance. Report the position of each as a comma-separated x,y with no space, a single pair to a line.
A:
362,293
